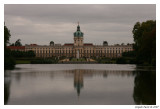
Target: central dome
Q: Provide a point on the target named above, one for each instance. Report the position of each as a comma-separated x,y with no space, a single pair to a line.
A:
78,33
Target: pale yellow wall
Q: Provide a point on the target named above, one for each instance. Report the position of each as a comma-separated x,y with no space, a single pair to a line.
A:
49,51
78,41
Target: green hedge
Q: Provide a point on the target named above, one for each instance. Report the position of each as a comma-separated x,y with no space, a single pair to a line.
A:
43,61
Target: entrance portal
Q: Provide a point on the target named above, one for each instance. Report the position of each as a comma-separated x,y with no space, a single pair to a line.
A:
77,55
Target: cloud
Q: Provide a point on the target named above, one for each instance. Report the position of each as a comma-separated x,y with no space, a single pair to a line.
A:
43,23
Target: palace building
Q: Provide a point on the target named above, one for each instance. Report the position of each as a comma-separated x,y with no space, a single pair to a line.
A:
79,49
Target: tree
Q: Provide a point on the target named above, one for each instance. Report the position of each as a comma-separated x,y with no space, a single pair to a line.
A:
12,44
122,43
18,43
20,54
144,35
6,36
128,54
9,61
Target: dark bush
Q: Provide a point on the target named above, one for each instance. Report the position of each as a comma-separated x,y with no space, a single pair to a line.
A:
121,60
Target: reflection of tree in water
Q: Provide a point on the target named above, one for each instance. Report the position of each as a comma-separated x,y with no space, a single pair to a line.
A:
7,82
145,87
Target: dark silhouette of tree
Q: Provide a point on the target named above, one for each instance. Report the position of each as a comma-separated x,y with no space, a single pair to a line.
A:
6,35
9,61
18,43
12,44
129,54
24,54
145,42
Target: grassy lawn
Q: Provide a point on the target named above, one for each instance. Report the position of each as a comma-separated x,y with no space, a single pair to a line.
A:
23,62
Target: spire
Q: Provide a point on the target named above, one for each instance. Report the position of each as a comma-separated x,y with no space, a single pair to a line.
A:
78,33
78,27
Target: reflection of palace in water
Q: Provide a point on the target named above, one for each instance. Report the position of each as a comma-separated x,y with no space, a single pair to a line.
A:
78,81
144,91
79,74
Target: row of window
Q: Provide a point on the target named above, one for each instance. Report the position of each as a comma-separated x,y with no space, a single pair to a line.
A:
80,51
86,55
117,51
72,48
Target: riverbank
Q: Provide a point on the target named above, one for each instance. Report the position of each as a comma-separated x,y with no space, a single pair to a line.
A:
36,61
78,62
121,60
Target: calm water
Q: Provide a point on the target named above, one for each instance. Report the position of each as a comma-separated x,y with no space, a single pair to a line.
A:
73,84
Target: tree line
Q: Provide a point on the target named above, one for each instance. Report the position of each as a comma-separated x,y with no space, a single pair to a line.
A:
144,53
10,56
19,54
144,35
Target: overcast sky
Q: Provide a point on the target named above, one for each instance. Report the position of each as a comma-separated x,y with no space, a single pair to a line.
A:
41,24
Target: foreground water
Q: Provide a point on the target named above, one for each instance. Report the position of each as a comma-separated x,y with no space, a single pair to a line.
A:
72,84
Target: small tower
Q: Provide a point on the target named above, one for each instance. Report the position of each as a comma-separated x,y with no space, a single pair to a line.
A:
78,37
51,43
105,43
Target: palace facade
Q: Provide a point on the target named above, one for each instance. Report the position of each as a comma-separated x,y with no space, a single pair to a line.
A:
79,49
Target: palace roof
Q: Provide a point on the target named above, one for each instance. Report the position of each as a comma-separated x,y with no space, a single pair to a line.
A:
16,47
88,44
68,44
78,33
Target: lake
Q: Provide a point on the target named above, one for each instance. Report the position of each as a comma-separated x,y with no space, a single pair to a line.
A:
80,84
